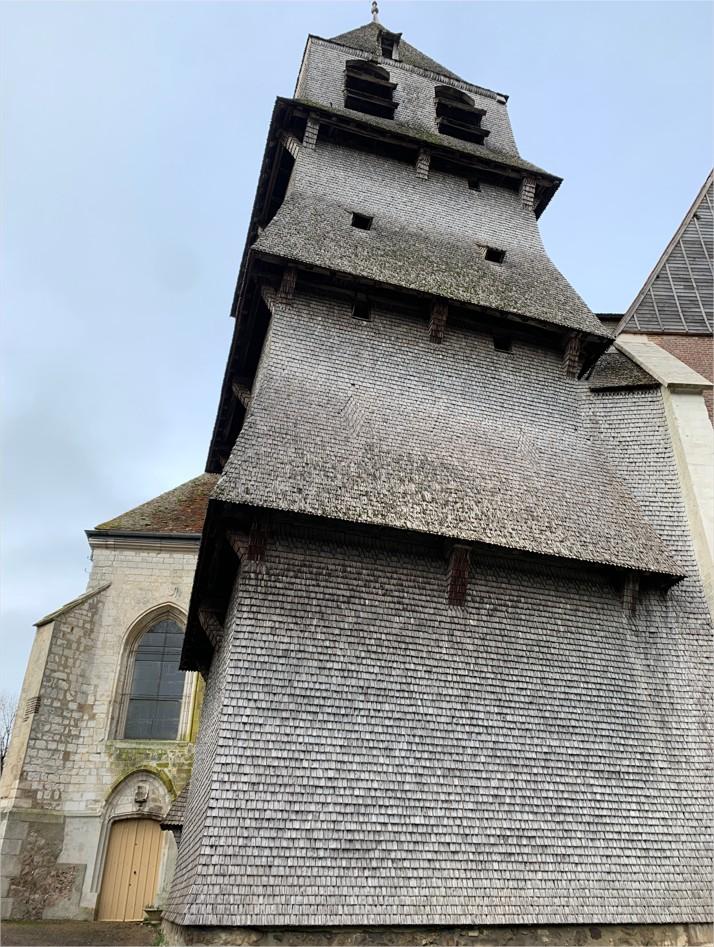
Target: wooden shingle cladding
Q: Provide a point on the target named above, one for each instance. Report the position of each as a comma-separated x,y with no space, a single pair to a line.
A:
447,457
380,756
678,295
289,121
432,701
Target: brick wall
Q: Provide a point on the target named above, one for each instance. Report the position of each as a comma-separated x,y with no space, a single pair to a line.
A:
697,351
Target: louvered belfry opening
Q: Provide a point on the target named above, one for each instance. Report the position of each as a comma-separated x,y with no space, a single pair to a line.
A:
368,89
388,44
456,115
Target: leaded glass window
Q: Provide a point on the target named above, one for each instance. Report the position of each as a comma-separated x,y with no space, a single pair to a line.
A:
154,704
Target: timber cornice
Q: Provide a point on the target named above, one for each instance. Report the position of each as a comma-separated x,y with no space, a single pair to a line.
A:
476,156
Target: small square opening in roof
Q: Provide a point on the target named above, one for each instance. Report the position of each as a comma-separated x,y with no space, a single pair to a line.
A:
361,309
502,342
362,221
493,255
474,184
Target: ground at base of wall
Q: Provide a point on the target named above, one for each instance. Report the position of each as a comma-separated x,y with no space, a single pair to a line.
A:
78,934
561,935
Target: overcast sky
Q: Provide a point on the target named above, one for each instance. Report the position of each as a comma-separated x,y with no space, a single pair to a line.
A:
132,135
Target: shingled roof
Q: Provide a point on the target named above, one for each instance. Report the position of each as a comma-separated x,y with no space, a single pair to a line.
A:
678,295
369,755
178,511
319,233
366,38
174,817
616,372
387,429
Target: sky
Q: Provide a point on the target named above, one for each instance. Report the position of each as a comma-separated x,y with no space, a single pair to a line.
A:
132,135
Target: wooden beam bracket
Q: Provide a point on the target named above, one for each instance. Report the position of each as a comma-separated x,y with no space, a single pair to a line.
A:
238,542
572,356
458,574
437,322
422,164
287,284
528,192
631,593
211,624
312,127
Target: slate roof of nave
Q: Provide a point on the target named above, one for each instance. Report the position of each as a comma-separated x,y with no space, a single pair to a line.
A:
366,38
678,295
178,511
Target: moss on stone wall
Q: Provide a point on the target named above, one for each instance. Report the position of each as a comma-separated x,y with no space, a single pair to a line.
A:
170,761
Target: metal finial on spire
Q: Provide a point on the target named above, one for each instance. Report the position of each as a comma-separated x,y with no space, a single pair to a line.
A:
375,11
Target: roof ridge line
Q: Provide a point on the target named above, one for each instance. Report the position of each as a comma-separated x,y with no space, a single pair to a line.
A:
73,603
678,234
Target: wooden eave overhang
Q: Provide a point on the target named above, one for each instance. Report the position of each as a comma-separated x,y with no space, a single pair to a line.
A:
218,563
495,162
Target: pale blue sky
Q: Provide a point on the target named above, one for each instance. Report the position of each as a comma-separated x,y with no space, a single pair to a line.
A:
132,135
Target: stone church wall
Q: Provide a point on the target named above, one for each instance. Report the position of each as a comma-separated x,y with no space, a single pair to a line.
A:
69,770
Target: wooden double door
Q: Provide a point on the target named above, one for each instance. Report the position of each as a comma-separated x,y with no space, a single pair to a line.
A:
131,870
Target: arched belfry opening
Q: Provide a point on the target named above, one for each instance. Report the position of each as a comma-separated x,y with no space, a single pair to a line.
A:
369,89
457,115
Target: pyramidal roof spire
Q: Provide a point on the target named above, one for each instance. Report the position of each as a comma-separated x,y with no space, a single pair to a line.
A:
367,38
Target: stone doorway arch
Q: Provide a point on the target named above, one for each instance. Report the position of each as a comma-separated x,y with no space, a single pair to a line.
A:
132,855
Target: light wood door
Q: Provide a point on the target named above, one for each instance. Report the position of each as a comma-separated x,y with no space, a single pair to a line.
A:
131,870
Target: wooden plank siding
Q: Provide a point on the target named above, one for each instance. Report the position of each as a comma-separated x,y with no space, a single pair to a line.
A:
678,296
131,870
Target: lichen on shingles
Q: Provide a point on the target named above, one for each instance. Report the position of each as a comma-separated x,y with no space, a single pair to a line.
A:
318,233
181,510
425,137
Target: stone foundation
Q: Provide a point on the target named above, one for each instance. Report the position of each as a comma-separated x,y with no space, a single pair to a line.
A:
558,935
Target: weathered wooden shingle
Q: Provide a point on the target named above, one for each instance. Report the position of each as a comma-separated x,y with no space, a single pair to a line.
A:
318,233
377,756
367,37
456,439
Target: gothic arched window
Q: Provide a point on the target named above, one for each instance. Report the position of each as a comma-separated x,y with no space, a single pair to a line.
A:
457,115
155,693
368,89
